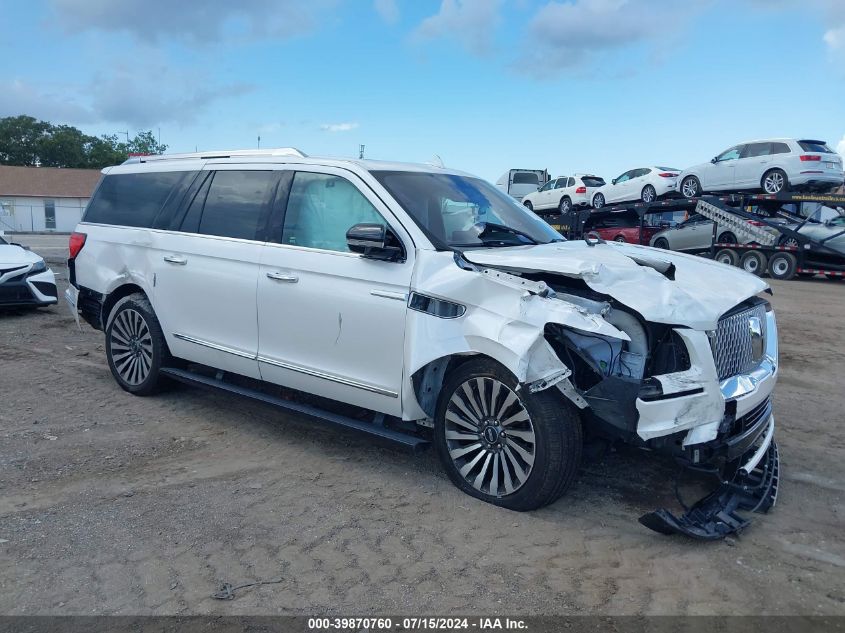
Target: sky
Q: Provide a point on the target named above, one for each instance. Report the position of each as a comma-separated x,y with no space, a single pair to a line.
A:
594,86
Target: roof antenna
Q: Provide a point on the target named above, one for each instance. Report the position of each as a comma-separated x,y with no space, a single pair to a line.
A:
436,161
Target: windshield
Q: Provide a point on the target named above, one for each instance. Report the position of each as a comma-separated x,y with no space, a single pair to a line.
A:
457,211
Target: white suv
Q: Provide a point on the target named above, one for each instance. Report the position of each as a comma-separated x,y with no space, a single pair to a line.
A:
423,304
773,166
563,193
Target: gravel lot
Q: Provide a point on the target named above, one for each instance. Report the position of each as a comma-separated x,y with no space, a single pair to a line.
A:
113,504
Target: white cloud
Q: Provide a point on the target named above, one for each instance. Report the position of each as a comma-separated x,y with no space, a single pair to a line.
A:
840,146
154,20
568,34
338,127
388,10
471,22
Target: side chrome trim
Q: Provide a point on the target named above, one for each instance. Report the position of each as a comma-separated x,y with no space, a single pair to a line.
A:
387,294
332,377
215,346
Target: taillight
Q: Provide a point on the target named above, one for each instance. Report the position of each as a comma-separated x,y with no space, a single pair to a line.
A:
668,174
755,223
77,241
581,190
809,157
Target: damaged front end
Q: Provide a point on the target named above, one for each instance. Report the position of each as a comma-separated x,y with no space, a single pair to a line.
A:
693,382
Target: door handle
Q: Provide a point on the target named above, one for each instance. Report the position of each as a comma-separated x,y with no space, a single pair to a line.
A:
291,279
176,259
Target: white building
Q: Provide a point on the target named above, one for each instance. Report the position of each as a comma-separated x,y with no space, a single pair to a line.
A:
44,198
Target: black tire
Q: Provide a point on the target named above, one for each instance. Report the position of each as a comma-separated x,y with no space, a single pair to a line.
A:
774,181
661,242
552,422
135,345
620,238
754,262
727,238
727,256
598,201
648,192
690,187
782,265
565,205
527,204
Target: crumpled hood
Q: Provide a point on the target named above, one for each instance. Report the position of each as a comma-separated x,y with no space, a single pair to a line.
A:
700,293
11,255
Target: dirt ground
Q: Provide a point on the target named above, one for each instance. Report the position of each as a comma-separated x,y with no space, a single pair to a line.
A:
114,504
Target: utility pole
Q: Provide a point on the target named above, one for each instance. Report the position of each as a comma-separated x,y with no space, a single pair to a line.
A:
259,141
360,151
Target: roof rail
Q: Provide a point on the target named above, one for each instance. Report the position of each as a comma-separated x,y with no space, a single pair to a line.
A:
278,151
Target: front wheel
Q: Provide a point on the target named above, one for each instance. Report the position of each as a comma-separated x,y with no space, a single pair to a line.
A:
598,201
727,238
135,345
661,242
527,204
501,444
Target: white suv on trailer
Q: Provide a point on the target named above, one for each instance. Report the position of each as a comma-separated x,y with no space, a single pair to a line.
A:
438,309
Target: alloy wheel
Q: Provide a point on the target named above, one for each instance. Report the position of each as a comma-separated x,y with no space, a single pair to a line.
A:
689,188
773,182
648,194
131,346
489,436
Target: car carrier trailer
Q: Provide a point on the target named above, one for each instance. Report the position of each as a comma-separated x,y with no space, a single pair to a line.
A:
782,250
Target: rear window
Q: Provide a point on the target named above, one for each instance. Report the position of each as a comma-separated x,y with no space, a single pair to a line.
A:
592,181
526,178
132,199
815,146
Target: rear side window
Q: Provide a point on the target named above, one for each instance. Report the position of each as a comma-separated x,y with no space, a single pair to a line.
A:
780,148
237,204
132,199
753,150
815,146
526,178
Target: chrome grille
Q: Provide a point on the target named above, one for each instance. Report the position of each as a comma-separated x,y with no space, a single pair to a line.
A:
732,342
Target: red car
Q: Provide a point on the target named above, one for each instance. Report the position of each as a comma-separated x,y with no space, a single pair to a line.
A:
620,226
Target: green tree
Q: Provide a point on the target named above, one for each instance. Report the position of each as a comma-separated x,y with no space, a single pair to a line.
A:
146,143
64,146
21,138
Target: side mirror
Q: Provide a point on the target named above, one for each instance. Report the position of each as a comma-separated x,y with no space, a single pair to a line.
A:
714,160
613,182
374,241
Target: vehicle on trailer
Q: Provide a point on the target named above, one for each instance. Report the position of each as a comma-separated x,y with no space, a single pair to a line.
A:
622,226
646,184
518,183
564,193
772,166
25,280
695,235
338,289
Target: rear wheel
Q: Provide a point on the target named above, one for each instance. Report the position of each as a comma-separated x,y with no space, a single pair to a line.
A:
648,194
528,205
727,256
727,238
782,266
565,205
661,242
135,345
619,238
502,444
754,262
691,187
774,181
598,201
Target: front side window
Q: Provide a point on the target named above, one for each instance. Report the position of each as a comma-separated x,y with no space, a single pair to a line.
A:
460,211
548,185
322,208
623,178
730,154
560,183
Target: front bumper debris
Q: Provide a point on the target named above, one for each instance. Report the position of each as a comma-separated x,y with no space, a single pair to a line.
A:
754,488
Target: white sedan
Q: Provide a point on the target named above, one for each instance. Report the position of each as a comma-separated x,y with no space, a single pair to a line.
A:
25,280
644,183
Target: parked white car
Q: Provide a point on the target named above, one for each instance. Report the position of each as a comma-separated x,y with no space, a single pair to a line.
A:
25,280
434,308
772,165
563,193
646,184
